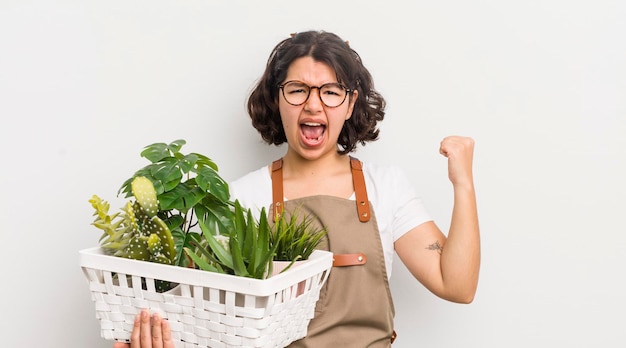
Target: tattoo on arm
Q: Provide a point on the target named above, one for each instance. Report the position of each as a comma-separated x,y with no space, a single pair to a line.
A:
435,246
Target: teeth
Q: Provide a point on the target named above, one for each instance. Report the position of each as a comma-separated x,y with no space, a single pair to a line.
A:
312,124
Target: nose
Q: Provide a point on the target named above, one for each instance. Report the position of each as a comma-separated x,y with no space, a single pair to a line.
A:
314,102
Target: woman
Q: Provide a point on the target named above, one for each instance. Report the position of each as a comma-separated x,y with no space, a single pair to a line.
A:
317,96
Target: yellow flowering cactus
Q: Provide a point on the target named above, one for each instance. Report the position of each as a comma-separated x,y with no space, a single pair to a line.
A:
137,232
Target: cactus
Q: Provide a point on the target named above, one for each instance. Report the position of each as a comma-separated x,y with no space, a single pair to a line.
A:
136,233
144,192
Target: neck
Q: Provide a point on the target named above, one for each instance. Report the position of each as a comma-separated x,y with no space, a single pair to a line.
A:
297,166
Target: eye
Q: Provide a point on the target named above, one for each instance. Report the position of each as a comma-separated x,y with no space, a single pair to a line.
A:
296,88
333,89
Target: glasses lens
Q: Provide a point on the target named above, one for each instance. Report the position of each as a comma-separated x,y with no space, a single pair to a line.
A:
332,94
296,93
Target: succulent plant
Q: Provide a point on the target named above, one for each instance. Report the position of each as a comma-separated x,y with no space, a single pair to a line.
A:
252,246
295,237
246,251
136,233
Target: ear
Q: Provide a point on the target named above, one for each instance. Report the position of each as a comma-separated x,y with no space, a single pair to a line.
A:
353,98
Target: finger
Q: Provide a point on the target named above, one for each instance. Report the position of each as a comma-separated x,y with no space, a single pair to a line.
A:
145,335
444,146
121,345
136,334
157,336
167,335
443,151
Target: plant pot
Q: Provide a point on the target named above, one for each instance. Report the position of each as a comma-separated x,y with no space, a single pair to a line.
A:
280,266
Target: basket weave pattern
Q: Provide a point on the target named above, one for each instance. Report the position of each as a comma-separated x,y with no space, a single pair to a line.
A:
205,309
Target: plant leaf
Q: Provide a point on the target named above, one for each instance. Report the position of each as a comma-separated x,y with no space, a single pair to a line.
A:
216,214
200,262
238,263
222,255
204,161
155,152
240,224
176,145
249,243
187,162
182,198
209,180
196,245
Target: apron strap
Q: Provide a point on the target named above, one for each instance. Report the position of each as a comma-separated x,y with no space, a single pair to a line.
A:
362,203
278,198
343,260
358,180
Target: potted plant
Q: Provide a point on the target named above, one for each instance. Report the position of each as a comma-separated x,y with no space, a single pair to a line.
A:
177,197
178,192
246,251
294,238
178,223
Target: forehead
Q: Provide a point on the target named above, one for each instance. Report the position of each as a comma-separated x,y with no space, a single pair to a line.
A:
307,69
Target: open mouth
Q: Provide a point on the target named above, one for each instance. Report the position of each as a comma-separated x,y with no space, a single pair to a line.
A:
312,133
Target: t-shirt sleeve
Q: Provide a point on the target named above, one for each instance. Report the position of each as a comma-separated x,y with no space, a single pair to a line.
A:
409,210
253,191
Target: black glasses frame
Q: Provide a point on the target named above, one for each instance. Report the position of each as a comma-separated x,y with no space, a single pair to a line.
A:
319,94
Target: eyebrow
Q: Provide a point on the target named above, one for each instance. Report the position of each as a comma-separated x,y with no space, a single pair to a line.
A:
305,83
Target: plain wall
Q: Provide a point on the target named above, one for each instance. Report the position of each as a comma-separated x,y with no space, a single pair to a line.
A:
540,86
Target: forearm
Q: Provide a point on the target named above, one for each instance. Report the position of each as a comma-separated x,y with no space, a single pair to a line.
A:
460,258
452,271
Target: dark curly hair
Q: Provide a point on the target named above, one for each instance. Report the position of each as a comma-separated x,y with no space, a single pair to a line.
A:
330,49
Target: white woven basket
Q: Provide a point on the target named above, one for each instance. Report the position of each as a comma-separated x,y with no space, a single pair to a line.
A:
206,309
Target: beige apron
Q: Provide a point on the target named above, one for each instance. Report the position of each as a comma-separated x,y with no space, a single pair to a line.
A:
355,308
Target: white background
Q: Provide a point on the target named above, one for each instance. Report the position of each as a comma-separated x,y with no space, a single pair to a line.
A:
540,85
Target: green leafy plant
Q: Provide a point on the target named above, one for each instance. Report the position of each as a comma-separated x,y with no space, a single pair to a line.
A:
169,199
190,192
179,213
247,251
251,247
294,237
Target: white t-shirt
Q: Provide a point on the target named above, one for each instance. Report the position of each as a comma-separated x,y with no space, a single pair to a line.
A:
396,206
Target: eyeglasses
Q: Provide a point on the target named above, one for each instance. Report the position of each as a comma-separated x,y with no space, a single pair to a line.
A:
331,94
